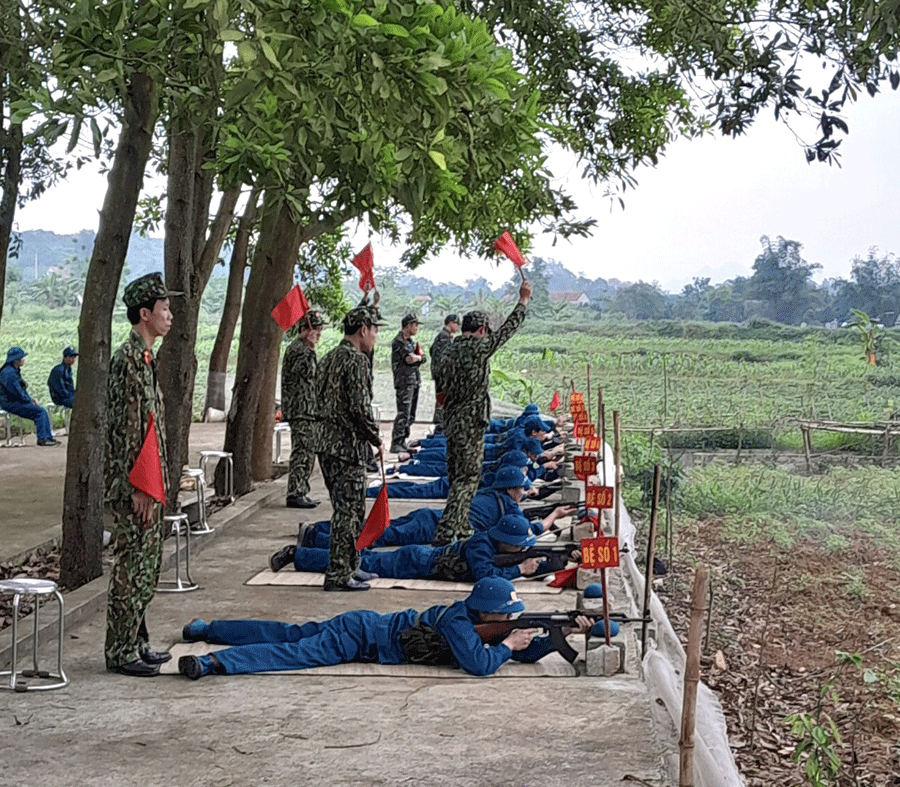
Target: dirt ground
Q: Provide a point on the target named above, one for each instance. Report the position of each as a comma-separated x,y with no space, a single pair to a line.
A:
778,618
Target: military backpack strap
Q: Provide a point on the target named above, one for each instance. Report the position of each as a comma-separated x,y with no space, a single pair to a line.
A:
421,644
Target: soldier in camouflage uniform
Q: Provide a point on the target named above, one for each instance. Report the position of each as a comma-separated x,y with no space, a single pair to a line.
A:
439,348
298,407
464,379
347,430
132,394
406,358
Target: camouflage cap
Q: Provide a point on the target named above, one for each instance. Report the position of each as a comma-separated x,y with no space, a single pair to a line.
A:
472,321
312,319
361,316
146,288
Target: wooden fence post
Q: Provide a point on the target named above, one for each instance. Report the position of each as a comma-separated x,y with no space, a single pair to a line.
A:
692,678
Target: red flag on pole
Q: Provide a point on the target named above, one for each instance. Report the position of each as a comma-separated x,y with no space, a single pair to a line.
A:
365,262
290,308
146,475
564,579
555,402
506,245
379,517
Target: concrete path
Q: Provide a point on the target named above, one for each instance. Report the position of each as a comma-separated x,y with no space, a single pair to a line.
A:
105,729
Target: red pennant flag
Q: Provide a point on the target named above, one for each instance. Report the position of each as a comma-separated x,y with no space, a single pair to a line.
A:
146,475
365,263
506,245
290,308
555,402
379,517
564,579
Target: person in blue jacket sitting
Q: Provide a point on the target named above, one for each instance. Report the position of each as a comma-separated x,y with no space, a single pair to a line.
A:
447,636
60,383
467,560
14,397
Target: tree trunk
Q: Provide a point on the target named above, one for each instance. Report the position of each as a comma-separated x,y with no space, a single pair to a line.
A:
11,56
271,274
82,541
218,359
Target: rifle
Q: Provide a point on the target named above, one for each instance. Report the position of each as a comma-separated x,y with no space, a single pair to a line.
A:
551,622
539,512
544,552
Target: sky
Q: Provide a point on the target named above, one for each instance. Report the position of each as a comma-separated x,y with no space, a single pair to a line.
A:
699,212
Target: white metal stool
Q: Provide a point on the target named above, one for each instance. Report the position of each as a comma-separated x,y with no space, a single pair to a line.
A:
280,428
28,586
8,424
205,456
198,478
180,525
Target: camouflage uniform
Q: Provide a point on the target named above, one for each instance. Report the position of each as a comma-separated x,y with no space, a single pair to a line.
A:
347,430
132,393
407,380
439,348
298,408
464,378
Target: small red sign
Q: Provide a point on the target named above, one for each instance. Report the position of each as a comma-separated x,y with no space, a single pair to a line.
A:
599,497
576,398
584,429
579,414
585,465
600,552
592,444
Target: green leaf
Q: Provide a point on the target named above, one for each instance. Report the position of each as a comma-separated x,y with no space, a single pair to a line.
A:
231,35
246,51
269,53
97,137
188,4
107,75
364,20
394,30
438,158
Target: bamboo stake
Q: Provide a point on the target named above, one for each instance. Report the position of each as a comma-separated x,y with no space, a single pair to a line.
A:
648,572
617,469
692,678
588,402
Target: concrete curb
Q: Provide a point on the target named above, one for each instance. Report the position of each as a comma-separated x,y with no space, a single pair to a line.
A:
90,599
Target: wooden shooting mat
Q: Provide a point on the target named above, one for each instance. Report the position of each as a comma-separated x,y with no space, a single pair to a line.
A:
286,577
551,666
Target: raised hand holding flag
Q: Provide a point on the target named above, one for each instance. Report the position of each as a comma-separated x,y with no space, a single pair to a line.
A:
146,475
290,308
365,263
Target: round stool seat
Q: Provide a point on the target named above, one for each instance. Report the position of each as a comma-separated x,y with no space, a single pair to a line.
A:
216,454
29,585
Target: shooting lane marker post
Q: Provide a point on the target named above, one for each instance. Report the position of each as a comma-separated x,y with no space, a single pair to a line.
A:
588,405
617,468
651,549
699,608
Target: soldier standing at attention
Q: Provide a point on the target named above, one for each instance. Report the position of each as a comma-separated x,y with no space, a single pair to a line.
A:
132,394
464,379
298,407
439,348
406,358
347,429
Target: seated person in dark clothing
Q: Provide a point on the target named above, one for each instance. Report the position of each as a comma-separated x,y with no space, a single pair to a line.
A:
14,397
460,561
60,383
446,632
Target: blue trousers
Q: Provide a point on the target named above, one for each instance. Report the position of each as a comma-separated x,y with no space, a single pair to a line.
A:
416,527
33,412
262,645
430,468
407,562
410,490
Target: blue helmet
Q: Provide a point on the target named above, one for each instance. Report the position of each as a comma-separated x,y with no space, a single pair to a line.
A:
530,409
494,594
514,458
533,446
15,354
510,477
513,529
533,424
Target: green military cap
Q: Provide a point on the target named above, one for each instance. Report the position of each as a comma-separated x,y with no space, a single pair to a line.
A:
312,319
146,288
474,320
361,316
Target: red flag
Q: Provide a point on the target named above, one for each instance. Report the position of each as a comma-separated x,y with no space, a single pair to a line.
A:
564,579
365,262
290,308
555,402
146,475
507,246
379,517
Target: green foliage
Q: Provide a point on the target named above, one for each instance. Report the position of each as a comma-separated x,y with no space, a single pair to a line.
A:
817,736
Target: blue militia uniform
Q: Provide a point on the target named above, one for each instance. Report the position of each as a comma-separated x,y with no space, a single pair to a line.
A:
61,385
414,561
410,490
366,636
14,399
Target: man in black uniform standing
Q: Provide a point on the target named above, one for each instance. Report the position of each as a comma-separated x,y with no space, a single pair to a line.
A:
439,348
406,358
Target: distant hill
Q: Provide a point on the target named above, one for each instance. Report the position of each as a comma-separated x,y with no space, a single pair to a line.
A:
41,250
